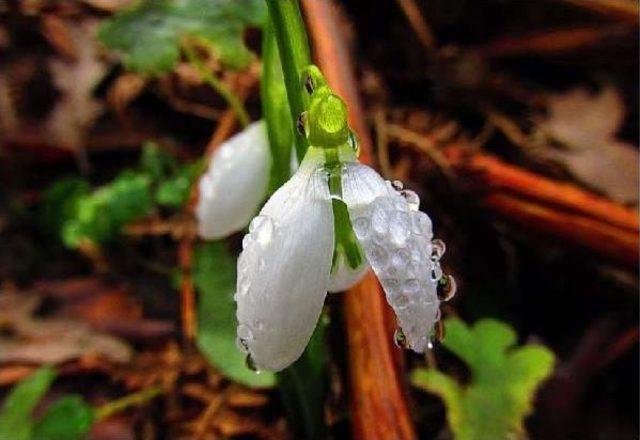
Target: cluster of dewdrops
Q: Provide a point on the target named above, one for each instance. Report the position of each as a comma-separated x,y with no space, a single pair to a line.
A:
398,240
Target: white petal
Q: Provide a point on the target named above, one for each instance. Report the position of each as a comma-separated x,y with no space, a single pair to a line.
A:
344,277
235,184
396,239
283,271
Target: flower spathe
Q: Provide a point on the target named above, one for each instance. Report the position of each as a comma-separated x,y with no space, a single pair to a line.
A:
235,184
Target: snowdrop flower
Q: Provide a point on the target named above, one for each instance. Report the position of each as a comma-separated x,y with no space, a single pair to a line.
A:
285,266
235,184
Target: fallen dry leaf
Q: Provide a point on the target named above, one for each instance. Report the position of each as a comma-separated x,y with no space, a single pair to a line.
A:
76,110
26,338
586,125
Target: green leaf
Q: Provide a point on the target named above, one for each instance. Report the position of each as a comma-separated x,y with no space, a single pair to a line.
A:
69,418
149,34
174,191
15,415
504,380
303,387
100,215
214,275
59,203
156,162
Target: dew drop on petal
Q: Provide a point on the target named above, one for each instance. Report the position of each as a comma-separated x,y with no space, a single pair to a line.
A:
379,257
390,284
380,220
421,224
361,227
412,199
261,229
412,285
399,228
401,258
438,249
251,365
245,333
243,286
436,271
399,338
430,345
397,185
446,288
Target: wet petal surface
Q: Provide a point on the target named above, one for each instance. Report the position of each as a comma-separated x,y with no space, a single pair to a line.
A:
283,271
396,239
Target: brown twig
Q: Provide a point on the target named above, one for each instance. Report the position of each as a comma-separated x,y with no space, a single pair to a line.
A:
550,206
377,397
418,23
623,10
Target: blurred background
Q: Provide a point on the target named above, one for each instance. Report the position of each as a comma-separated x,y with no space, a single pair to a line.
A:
515,121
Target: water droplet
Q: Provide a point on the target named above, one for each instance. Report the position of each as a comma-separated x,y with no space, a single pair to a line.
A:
399,228
397,185
400,339
400,258
416,251
261,229
245,333
380,220
399,300
242,344
446,288
390,284
361,227
430,345
378,257
354,143
309,85
251,365
411,286
438,249
301,123
412,199
243,286
421,224
436,272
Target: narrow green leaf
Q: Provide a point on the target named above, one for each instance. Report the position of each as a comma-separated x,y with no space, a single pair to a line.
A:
15,416
69,418
303,387
214,274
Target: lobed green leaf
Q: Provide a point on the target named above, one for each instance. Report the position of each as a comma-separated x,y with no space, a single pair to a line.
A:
150,33
503,383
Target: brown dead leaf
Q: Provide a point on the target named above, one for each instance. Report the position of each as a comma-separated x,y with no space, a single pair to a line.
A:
586,125
50,340
76,111
125,89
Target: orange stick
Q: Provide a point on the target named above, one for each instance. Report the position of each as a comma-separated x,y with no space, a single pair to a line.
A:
379,409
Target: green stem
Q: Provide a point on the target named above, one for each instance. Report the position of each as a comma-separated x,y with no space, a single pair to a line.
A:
275,110
216,84
118,405
293,44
